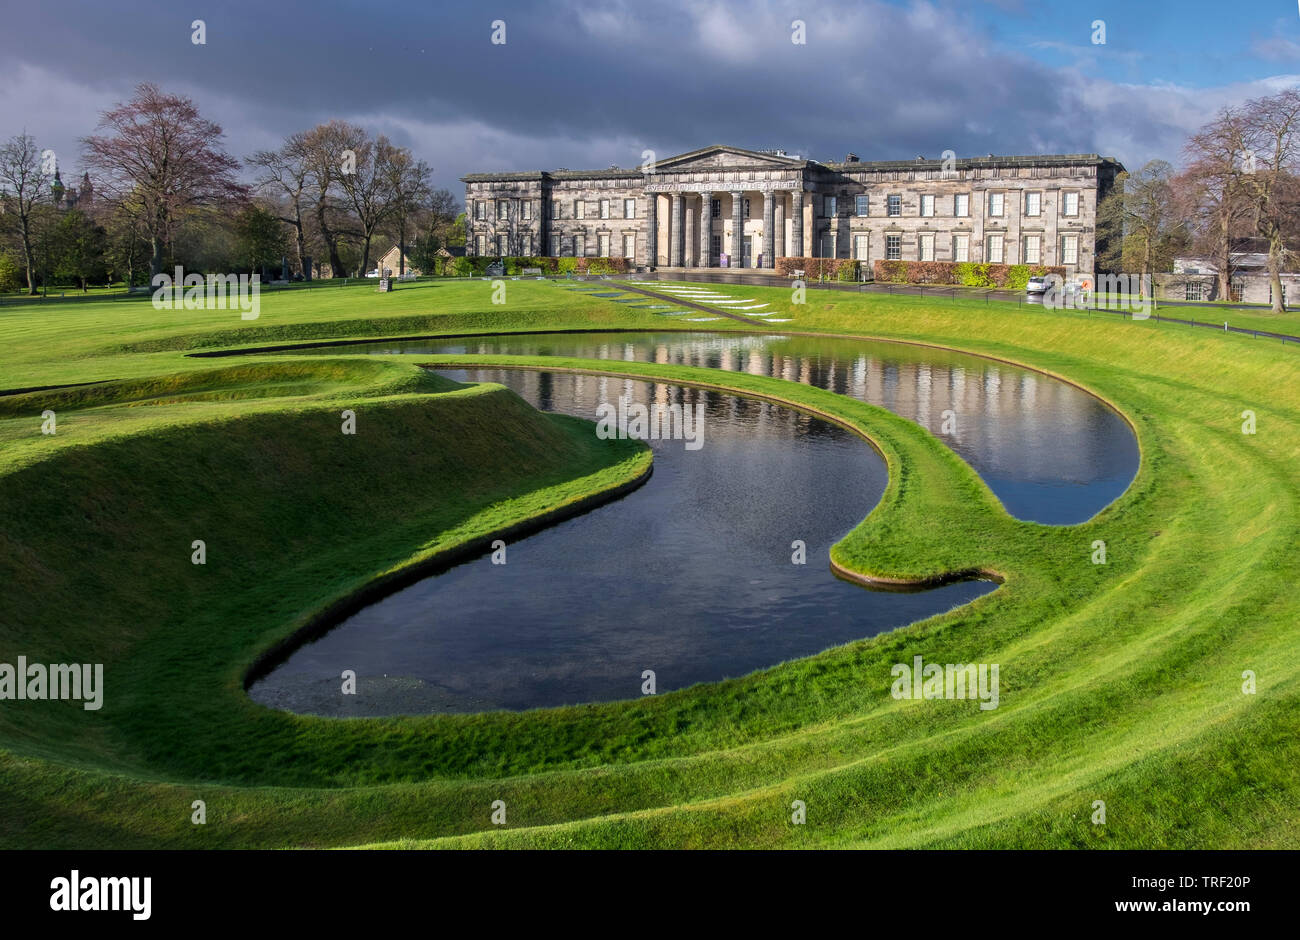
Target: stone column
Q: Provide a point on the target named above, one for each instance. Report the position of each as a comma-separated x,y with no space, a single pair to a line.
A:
769,229
677,234
737,229
779,221
652,229
796,224
705,229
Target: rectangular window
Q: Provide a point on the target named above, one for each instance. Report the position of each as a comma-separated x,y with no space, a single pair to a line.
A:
961,205
993,255
860,243
715,242
717,208
629,208
629,247
480,210
830,207
746,210
1033,204
893,247
1069,204
503,247
602,245
555,246
503,209
604,211
1069,249
580,246
828,245
1193,291
579,209
482,244
927,206
961,248
528,210
925,247
1236,289
1033,249
895,204
556,209
997,204
861,205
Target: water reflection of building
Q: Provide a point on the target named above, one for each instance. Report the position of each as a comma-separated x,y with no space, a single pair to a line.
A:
1008,421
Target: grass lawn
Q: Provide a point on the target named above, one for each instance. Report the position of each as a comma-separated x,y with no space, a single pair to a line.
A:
1120,682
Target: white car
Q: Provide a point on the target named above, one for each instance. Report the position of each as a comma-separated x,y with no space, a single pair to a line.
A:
1037,285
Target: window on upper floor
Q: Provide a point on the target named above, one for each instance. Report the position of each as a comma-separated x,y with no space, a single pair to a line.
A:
961,205
1033,204
861,205
1069,204
997,204
927,205
895,204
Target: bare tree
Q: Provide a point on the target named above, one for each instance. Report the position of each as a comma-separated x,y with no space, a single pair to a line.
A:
22,189
332,152
287,173
368,191
409,184
1272,135
1216,156
159,160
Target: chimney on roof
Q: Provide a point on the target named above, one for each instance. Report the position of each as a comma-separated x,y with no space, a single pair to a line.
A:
851,158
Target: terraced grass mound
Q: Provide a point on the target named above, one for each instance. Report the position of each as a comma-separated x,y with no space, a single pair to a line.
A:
1121,682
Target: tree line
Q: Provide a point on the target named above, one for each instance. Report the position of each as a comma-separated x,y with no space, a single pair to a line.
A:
158,190
1237,191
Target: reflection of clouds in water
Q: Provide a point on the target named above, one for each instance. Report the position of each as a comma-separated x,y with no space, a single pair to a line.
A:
689,575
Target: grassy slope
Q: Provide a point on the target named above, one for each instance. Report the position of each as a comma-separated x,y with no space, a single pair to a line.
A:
1119,682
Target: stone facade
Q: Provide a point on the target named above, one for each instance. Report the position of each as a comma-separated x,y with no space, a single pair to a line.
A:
724,206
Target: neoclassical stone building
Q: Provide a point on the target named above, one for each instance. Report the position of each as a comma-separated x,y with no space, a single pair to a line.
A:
728,207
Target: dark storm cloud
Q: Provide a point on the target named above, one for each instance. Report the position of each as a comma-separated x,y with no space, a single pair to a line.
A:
580,84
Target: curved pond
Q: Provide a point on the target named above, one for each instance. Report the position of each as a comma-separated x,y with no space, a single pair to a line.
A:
1051,452
690,576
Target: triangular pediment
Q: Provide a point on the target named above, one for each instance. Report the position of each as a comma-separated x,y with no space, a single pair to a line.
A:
718,157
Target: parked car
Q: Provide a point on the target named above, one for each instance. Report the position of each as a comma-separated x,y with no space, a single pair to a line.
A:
1037,285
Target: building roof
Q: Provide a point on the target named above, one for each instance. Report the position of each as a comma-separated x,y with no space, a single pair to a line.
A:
779,159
